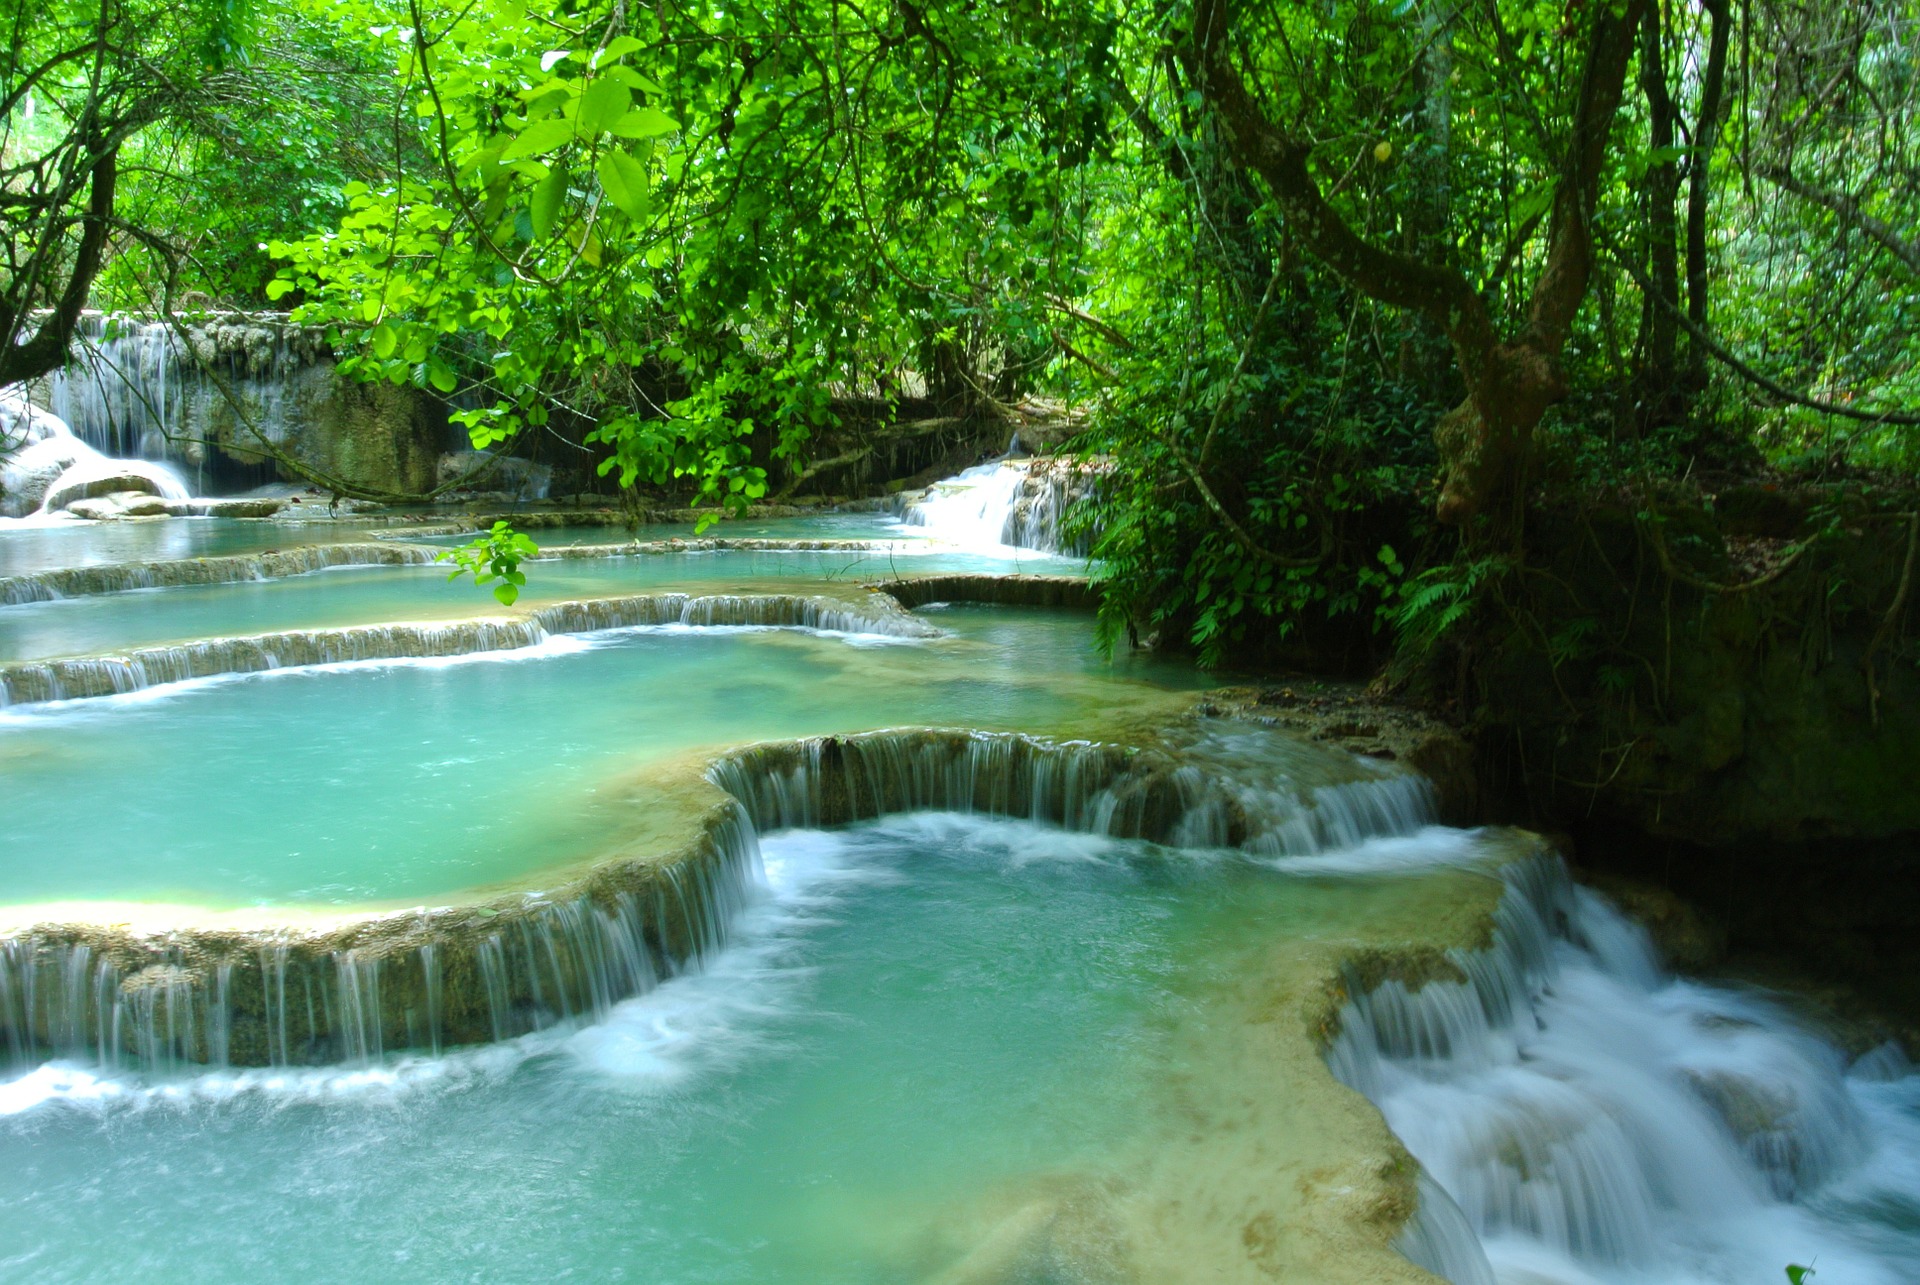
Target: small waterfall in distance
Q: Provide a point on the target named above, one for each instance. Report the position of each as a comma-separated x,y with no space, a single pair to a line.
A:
137,391
1004,503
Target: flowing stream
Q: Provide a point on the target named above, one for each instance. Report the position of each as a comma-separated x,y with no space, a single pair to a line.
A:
983,1005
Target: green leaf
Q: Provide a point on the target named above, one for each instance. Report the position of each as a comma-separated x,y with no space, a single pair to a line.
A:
547,198
552,56
506,593
538,139
605,102
644,122
441,375
618,47
384,341
1798,1274
278,288
625,182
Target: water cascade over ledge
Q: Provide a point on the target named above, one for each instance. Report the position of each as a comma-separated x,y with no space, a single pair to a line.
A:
27,682
172,573
1017,503
427,980
1581,1115
125,577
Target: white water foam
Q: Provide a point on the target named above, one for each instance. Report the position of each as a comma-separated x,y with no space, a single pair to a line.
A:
1593,1120
994,507
40,456
697,1023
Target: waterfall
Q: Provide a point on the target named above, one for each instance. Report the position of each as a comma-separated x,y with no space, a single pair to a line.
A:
1016,503
122,577
1015,591
1115,790
1580,1111
137,391
73,582
429,980
78,678
416,983
46,467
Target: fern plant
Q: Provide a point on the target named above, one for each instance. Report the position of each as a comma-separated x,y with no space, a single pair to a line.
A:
1432,603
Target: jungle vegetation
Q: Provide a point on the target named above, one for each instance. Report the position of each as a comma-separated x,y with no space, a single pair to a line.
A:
1343,293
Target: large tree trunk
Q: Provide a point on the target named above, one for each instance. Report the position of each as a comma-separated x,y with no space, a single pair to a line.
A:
47,348
1655,382
1425,358
1486,442
1706,135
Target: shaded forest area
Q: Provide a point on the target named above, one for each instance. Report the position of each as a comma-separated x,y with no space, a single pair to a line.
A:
1551,365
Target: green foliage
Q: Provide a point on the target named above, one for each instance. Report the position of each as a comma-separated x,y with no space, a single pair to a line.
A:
682,239
1798,1275
497,555
1440,598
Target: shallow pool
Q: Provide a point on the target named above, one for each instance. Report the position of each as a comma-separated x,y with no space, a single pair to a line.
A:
930,1029
382,781
378,595
44,545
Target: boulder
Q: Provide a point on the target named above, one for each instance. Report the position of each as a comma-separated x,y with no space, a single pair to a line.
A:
93,485
97,510
140,506
260,507
509,475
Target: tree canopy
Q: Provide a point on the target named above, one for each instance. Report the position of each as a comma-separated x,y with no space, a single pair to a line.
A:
1303,267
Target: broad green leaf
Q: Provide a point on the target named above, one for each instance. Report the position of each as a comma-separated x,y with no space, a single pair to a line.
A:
644,122
547,198
384,341
552,56
605,101
538,139
630,78
618,47
625,182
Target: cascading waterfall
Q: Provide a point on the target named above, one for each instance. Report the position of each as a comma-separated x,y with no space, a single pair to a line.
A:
469,976
1092,788
28,682
137,393
489,974
123,577
45,466
1006,502
1583,1116
172,573
1580,1115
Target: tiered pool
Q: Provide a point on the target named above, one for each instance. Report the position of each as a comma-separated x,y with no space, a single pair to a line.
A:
511,964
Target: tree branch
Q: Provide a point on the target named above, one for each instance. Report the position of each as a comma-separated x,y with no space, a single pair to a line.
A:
1848,210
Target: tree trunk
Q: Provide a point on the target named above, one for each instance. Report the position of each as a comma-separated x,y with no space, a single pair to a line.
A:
47,348
1655,385
1425,359
1486,442
1706,135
